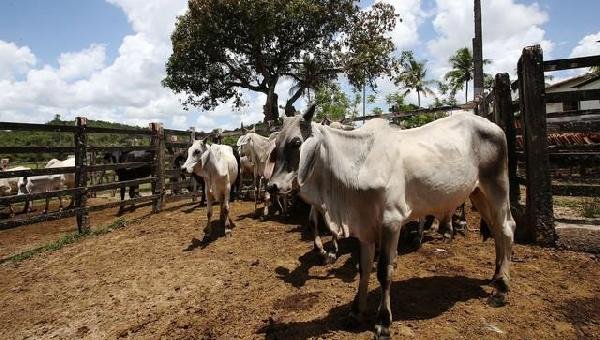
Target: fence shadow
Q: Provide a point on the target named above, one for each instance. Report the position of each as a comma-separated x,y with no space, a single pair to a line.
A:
412,299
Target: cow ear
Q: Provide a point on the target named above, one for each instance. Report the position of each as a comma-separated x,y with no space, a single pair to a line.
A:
308,115
309,152
270,164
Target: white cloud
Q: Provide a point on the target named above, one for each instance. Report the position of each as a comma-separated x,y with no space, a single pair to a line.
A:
83,63
588,46
406,33
14,60
508,27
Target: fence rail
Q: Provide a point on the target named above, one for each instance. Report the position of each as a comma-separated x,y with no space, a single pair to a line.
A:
537,159
85,170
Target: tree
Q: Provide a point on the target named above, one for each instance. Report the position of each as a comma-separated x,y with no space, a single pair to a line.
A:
412,76
595,69
397,102
224,47
462,70
332,102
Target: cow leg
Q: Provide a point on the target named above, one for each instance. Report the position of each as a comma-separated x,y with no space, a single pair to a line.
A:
313,219
60,207
227,223
133,194
209,201
256,194
502,226
46,206
122,199
385,268
359,305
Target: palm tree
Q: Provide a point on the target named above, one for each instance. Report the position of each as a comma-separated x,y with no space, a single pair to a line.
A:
462,70
412,76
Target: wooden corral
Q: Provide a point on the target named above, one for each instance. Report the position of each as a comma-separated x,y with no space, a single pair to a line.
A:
165,180
543,149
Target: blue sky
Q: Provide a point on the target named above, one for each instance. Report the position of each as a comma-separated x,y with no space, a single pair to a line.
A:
105,58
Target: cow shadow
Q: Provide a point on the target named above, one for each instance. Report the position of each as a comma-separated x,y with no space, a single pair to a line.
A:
412,299
347,272
218,231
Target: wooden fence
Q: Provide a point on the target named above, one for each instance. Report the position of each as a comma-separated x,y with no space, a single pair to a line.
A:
162,144
533,163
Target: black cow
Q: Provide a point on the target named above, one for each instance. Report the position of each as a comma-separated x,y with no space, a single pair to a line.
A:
126,174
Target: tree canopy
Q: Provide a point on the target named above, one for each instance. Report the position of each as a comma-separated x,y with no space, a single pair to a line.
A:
223,47
413,76
462,71
332,102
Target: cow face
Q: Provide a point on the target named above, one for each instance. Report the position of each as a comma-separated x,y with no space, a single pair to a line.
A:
194,155
293,155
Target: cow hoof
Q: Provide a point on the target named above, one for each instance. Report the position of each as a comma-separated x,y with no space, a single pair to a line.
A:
382,333
227,232
497,300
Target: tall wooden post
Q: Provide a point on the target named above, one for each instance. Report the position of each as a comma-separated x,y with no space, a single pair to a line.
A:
504,116
477,52
539,209
157,141
194,185
80,197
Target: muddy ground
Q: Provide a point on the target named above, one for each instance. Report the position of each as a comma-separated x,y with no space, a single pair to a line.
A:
158,278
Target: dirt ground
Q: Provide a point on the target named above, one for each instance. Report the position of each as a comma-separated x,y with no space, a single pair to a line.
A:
158,278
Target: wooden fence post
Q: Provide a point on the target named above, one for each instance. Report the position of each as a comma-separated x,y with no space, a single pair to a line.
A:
539,210
504,116
158,187
83,223
194,185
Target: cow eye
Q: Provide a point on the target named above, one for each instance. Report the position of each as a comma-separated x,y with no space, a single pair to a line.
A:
196,152
296,142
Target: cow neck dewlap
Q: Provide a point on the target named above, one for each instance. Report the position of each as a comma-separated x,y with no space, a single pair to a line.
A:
336,176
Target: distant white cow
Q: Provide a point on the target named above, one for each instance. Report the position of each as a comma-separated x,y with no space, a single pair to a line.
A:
48,183
219,168
10,186
256,148
369,184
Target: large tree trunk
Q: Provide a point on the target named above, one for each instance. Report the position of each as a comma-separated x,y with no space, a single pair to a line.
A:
419,99
477,52
271,108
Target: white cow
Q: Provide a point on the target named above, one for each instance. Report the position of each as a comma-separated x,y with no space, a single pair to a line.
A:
370,183
256,148
10,186
219,168
48,183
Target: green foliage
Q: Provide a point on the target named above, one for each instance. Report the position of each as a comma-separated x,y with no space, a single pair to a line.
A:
33,138
412,76
419,120
595,69
221,47
333,103
377,111
462,70
397,102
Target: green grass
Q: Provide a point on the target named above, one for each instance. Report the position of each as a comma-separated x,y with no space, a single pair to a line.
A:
586,207
591,208
65,241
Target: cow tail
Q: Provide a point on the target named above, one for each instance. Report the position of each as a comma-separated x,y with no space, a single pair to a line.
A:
484,230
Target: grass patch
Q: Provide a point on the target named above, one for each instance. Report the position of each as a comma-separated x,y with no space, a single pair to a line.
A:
591,208
65,241
584,206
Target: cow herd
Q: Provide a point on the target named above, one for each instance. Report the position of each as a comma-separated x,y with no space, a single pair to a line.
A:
370,182
367,183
